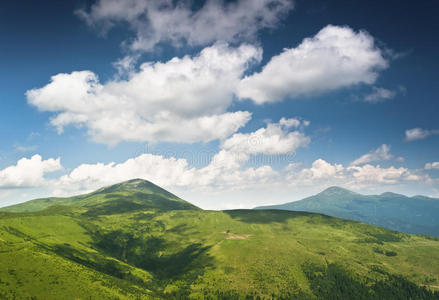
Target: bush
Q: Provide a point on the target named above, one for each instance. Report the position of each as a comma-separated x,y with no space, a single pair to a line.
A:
391,253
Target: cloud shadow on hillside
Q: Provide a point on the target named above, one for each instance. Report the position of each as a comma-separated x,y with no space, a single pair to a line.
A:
264,216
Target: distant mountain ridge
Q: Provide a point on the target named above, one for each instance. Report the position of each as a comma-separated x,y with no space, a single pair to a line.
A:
418,214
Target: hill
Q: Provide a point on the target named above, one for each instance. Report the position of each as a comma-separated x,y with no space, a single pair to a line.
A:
83,248
394,211
134,194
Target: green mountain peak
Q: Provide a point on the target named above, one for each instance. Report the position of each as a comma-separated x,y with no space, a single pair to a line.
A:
390,210
136,185
336,191
132,195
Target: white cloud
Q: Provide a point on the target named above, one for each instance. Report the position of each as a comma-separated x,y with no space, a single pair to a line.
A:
22,148
126,65
323,173
292,122
158,169
432,165
187,99
380,154
418,134
274,139
225,170
182,100
320,169
379,95
336,57
168,21
375,174
28,172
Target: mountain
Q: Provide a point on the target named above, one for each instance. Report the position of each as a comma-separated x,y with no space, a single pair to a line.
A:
135,194
417,214
135,240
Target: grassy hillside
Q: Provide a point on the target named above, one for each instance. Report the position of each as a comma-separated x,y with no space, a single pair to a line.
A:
407,214
125,251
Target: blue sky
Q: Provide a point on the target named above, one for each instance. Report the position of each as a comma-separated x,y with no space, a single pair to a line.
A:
228,104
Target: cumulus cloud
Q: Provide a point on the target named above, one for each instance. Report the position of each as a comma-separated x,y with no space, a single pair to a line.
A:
324,173
225,169
175,22
376,174
28,172
187,99
335,57
379,154
274,139
418,134
432,166
319,171
379,95
181,100
322,169
158,169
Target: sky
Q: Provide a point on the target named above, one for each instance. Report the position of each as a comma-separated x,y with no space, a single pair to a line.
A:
228,104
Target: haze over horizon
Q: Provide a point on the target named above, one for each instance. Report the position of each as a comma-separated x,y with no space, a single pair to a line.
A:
227,104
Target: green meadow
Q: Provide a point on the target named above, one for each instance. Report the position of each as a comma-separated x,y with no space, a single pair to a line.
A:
135,240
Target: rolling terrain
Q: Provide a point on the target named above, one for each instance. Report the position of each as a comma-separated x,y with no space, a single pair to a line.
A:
135,240
416,214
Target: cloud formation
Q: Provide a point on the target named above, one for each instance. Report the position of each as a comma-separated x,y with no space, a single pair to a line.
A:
28,172
178,23
336,57
187,99
369,174
379,154
320,171
226,168
323,173
274,139
432,166
379,95
418,134
181,100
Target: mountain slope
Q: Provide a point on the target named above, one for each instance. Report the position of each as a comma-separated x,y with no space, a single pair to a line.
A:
151,253
407,214
134,194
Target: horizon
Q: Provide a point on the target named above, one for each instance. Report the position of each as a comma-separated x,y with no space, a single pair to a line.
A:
250,208
230,105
